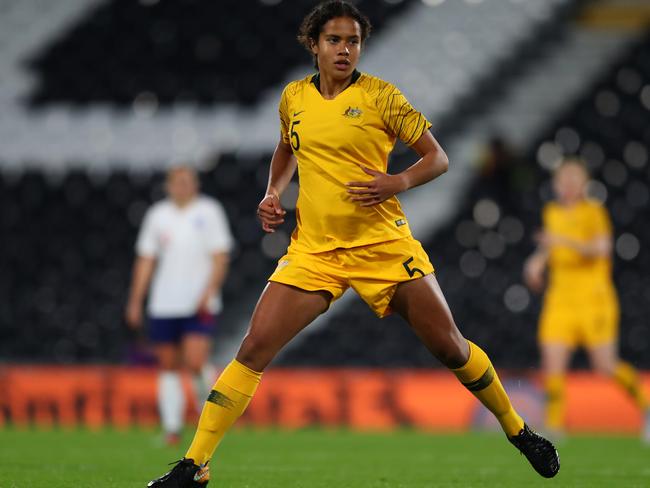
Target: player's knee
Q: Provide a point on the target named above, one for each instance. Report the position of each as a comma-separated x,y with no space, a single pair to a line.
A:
604,369
167,362
454,352
451,358
194,367
255,353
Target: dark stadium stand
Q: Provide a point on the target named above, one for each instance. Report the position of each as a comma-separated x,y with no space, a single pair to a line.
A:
191,50
67,251
609,128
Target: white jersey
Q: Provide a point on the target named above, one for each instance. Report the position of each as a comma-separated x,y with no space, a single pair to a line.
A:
183,240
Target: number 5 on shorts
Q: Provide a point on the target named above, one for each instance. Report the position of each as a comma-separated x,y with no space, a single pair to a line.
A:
409,270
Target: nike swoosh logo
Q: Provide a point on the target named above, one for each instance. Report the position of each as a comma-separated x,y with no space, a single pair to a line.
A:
295,114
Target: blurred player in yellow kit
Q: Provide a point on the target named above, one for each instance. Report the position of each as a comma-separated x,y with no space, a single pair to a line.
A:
580,304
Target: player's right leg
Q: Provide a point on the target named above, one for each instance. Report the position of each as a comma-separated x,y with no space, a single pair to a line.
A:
561,329
164,334
281,312
196,344
422,303
196,353
605,360
555,361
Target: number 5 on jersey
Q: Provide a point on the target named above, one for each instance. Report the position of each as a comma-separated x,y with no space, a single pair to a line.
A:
409,270
295,139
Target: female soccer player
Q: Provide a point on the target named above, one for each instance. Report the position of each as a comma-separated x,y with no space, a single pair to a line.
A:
338,128
580,304
183,250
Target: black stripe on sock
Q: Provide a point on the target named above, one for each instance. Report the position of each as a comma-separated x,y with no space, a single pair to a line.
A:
220,399
483,382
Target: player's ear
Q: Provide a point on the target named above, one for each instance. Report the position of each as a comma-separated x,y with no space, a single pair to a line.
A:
313,45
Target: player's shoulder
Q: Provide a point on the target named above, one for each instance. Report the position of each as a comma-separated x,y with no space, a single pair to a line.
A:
552,212
160,207
593,204
550,207
372,82
374,85
158,212
209,204
594,208
206,201
294,87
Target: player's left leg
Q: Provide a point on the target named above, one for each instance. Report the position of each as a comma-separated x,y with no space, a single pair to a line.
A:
556,357
196,344
605,360
422,303
171,398
195,350
164,333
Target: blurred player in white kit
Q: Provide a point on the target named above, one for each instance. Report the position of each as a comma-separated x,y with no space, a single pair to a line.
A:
184,244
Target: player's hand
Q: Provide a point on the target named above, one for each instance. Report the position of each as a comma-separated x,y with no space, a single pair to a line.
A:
380,188
204,302
134,315
547,240
270,213
541,238
534,273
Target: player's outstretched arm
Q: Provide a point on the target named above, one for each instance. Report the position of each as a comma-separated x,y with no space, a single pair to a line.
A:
220,263
283,166
432,163
534,269
142,271
599,246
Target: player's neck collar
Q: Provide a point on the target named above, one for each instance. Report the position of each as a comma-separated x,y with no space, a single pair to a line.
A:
316,79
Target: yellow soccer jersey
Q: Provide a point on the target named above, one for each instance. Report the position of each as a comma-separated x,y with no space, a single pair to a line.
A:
583,222
330,139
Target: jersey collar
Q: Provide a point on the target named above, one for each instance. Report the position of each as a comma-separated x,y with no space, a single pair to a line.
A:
316,80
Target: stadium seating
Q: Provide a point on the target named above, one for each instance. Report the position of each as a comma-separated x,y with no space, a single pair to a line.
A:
67,251
91,104
184,51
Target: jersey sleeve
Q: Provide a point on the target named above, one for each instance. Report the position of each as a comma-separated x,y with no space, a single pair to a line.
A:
219,238
283,110
147,243
401,119
601,223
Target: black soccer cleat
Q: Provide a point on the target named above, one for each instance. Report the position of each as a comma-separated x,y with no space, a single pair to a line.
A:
540,452
185,474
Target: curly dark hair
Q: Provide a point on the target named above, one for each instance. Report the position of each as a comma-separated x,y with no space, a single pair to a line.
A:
312,24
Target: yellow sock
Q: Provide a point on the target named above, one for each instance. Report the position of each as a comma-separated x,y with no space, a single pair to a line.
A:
228,399
479,377
626,376
555,401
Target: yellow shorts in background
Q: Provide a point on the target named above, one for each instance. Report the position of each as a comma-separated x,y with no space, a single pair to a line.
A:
579,322
373,271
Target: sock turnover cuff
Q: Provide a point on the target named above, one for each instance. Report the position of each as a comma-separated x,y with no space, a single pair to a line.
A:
240,378
478,365
623,368
554,380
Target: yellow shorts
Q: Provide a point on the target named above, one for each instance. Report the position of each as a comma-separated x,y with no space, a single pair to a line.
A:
373,271
579,322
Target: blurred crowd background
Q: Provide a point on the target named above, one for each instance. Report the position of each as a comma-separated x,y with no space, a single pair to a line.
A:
99,97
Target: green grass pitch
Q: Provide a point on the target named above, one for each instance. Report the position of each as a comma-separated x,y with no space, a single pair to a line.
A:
315,459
